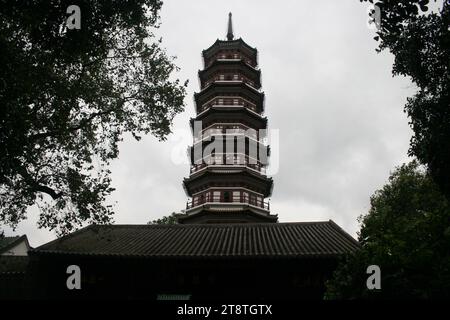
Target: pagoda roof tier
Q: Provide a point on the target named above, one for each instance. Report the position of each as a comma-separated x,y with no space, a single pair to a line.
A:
225,177
233,213
229,88
237,44
230,114
231,64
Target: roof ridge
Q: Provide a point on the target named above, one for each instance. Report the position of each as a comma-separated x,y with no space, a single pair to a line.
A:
10,237
200,225
13,241
68,236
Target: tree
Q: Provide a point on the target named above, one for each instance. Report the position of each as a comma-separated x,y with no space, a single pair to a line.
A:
420,44
407,234
171,219
67,98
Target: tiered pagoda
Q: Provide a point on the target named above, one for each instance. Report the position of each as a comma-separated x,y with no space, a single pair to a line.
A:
227,181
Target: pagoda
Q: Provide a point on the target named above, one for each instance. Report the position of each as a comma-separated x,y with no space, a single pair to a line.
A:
228,181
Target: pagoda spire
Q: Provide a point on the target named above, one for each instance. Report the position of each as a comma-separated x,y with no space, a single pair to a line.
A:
230,35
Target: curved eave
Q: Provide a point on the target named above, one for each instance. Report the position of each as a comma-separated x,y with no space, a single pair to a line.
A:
238,62
230,110
248,71
221,44
203,210
268,181
240,85
230,84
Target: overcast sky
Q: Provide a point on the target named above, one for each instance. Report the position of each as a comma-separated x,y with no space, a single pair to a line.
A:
338,110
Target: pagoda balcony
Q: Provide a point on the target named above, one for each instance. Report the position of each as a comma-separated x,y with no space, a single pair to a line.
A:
229,161
251,109
239,201
238,79
257,167
228,102
246,61
231,57
230,89
231,131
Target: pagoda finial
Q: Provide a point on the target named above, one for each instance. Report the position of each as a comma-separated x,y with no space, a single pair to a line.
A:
230,35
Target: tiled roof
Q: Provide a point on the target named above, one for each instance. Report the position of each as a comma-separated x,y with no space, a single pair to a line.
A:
207,240
220,44
9,242
4,241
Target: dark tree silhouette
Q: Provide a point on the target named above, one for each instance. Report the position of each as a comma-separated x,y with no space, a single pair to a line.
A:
407,234
67,98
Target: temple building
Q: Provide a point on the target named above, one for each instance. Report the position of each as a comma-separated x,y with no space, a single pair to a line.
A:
228,244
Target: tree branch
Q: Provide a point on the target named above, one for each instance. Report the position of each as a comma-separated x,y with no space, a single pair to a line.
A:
37,186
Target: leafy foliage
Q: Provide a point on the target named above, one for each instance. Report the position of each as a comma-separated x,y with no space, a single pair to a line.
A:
407,234
171,219
420,44
67,98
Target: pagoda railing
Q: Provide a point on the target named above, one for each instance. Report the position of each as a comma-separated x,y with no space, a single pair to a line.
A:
232,57
229,101
228,130
231,160
218,199
229,77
